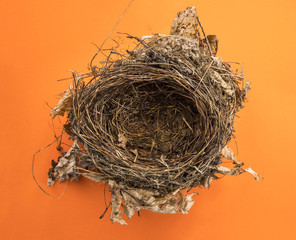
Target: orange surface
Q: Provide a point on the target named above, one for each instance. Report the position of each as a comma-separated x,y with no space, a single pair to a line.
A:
41,40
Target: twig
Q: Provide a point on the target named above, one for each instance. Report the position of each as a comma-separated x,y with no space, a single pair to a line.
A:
209,47
93,58
33,173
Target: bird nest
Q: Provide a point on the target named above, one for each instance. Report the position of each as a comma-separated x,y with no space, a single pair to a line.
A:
153,122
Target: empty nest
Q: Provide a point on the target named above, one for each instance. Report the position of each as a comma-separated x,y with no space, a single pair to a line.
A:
154,121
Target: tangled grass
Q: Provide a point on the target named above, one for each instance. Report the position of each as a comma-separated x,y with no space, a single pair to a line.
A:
159,118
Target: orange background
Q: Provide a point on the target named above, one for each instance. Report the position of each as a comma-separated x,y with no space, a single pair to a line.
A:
41,40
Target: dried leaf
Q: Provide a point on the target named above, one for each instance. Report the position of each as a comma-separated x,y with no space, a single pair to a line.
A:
250,170
246,88
122,140
186,23
116,200
228,154
65,169
65,103
226,171
213,42
206,181
227,87
236,171
138,199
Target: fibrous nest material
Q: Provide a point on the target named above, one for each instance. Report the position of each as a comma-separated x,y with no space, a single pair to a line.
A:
154,122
